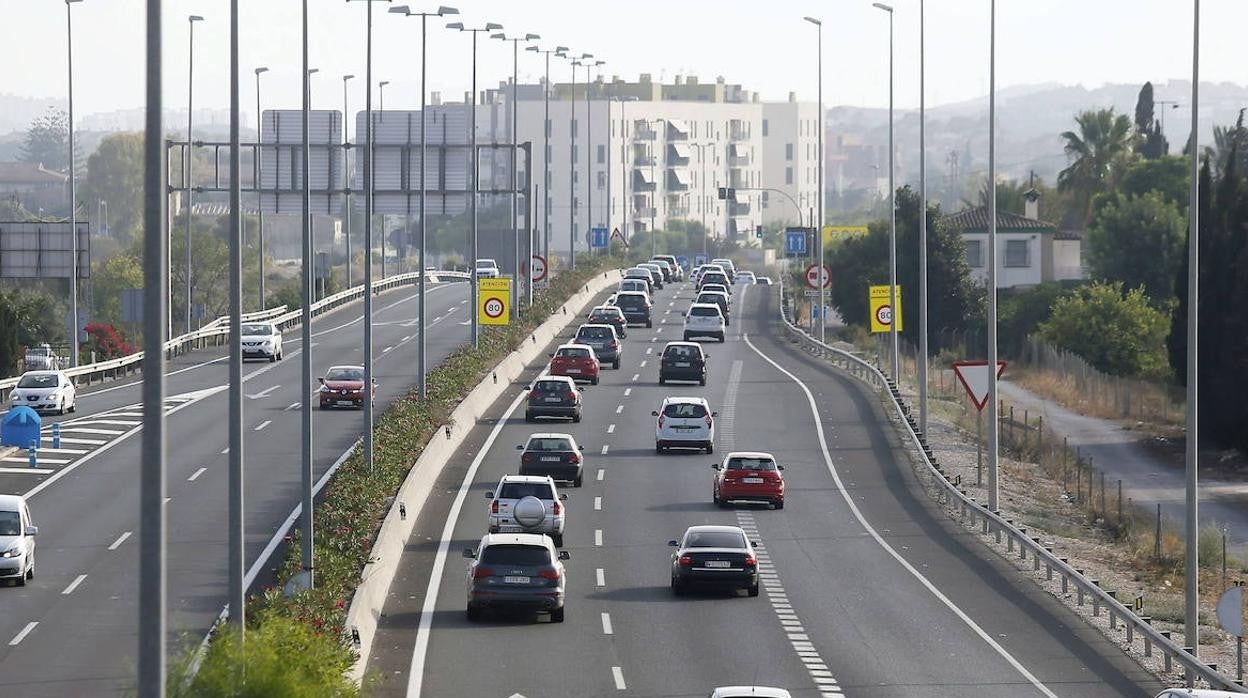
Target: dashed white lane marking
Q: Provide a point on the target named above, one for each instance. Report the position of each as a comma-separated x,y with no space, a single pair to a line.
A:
649,350
658,330
671,303
74,584
120,539
654,339
606,624
641,365
619,409
17,639
601,473
597,503
610,428
600,578
636,376
292,406
195,475
618,674
604,451
628,391
386,350
888,548
263,424
598,537
225,450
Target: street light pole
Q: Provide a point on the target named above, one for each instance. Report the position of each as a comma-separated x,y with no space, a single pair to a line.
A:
259,184
1191,586
823,302
590,181
515,163
381,92
892,209
190,157
73,193
236,566
346,139
994,488
923,347
558,51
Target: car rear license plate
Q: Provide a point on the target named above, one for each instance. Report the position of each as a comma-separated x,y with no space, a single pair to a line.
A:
682,364
509,528
550,459
552,399
345,402
718,563
752,480
574,370
515,580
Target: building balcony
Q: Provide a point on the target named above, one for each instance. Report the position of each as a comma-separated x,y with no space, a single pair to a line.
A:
738,208
678,211
645,134
644,160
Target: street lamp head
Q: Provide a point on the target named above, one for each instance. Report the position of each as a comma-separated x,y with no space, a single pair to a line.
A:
71,1
882,6
195,18
443,11
532,37
456,25
383,83
534,49
400,10
500,35
813,21
562,49
347,77
313,70
586,55
261,70
598,63
492,26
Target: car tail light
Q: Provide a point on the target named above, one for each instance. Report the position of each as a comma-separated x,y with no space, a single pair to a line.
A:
526,458
482,573
558,508
686,559
574,458
750,560
549,574
571,396
494,507
708,420
661,419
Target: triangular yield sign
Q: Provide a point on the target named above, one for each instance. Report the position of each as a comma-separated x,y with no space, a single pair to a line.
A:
973,375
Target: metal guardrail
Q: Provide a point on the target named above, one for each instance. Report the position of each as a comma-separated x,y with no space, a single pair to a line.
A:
992,523
217,332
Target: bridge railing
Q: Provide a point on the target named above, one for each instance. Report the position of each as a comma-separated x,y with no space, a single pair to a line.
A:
1016,538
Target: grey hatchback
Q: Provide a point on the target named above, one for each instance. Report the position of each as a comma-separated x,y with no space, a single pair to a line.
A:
604,340
516,570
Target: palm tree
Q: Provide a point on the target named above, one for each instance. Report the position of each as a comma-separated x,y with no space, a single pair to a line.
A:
1228,140
1104,140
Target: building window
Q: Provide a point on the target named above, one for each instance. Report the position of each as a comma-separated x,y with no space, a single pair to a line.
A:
575,150
602,180
1017,253
788,151
764,128
788,175
574,128
975,254
548,129
602,154
576,176
549,150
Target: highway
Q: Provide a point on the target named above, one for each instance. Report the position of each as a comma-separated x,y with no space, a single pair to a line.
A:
869,590
73,631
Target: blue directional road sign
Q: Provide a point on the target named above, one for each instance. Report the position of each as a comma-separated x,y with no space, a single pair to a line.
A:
683,261
795,241
598,237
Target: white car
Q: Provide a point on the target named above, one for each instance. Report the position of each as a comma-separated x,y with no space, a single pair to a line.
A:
17,540
487,269
727,264
749,692
261,340
684,422
704,320
635,285
745,277
527,504
45,391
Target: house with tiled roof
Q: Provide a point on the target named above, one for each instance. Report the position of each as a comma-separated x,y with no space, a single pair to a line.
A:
33,185
1029,251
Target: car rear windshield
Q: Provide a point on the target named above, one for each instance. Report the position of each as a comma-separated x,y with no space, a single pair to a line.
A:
711,298
680,353
345,374
574,353
714,539
704,312
520,490
684,410
46,380
10,523
751,464
606,312
551,387
594,333
254,330
515,555
630,301
549,444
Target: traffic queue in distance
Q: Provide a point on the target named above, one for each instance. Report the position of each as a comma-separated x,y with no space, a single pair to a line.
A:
519,563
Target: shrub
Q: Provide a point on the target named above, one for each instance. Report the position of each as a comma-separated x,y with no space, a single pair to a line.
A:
1119,333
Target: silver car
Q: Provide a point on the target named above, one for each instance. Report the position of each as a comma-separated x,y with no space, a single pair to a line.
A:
17,540
261,340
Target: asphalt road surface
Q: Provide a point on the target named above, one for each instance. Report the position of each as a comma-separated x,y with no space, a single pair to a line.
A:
869,590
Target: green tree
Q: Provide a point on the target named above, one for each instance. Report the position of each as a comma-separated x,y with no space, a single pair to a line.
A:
115,176
1150,143
1117,332
1011,196
1136,240
1103,142
1021,311
109,279
1230,143
27,317
1167,175
860,261
47,141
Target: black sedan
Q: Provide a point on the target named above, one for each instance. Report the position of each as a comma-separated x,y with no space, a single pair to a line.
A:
714,556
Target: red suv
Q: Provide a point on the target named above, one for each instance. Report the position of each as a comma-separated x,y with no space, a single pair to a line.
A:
576,361
748,476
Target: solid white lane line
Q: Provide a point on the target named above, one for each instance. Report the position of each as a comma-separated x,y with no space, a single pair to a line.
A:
263,424
109,422
91,430
862,521
17,639
619,409
67,451
597,503
83,442
606,624
120,539
610,428
618,674
600,578
74,584
601,472
195,475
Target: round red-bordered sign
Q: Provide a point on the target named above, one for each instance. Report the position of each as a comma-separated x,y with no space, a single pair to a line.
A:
812,276
537,267
884,315
494,307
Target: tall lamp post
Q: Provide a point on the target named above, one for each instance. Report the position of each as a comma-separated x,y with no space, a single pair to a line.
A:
923,347
823,303
702,195
575,62
590,181
1191,586
190,156
424,17
994,489
259,183
73,193
892,207
346,139
381,96
475,162
559,51
236,527
515,161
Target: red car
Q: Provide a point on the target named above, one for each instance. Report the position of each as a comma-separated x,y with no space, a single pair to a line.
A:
748,476
576,361
343,386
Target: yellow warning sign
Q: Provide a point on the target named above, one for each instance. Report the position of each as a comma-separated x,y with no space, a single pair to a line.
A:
494,301
881,314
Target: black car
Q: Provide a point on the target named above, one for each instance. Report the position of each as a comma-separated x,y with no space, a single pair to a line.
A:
516,570
682,361
610,315
635,306
553,455
607,346
553,396
719,556
719,299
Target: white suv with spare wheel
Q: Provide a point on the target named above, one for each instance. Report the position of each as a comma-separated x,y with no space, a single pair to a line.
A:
704,320
527,504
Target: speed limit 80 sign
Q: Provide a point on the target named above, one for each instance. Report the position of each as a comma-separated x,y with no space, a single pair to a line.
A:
493,301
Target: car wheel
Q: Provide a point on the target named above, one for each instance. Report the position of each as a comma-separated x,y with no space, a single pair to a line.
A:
615,364
73,406
61,409
702,380
727,322
576,417
662,380
557,539
658,447
721,338
685,337
30,573
528,417
779,503
678,587
754,589
580,479
715,498
474,614
324,406
593,381
272,358
649,324
556,615
710,447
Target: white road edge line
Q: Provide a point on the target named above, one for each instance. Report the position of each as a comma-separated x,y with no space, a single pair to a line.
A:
840,487
120,539
17,639
74,584
416,674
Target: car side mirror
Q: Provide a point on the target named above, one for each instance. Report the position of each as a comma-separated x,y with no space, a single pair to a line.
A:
581,448
469,554
714,466
32,531
551,355
489,495
565,555
519,447
714,414
779,467
753,544
673,544
563,496
654,413
321,380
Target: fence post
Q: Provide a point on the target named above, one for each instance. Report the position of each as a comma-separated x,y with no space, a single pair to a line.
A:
1120,501
1104,511
1157,535
1065,487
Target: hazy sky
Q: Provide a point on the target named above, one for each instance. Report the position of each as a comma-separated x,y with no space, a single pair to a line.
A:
763,45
